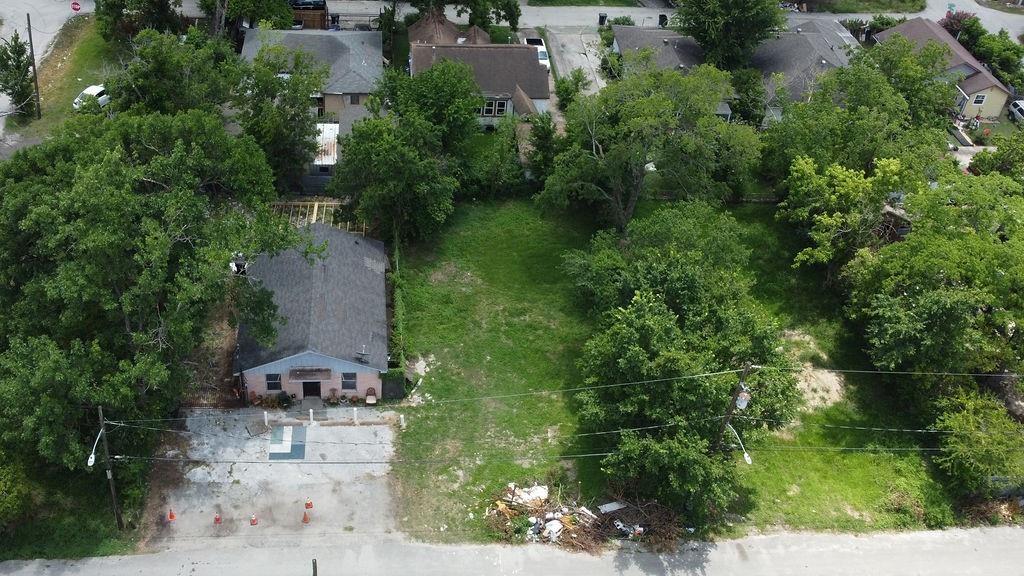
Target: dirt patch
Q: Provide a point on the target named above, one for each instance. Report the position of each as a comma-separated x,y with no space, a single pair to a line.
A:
819,387
449,272
854,513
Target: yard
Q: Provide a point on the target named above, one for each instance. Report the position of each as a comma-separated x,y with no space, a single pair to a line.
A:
793,483
867,6
583,3
490,314
79,58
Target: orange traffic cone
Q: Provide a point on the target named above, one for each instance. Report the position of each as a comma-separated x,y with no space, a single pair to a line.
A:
171,516
253,521
309,504
216,519
305,517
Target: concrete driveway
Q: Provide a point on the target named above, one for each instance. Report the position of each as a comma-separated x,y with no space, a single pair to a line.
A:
241,468
574,47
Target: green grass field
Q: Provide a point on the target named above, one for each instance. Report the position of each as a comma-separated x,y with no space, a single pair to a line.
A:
72,519
795,487
488,304
868,6
79,58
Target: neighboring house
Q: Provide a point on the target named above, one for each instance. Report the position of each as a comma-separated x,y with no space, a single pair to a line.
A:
354,60
800,54
510,77
434,28
980,93
334,336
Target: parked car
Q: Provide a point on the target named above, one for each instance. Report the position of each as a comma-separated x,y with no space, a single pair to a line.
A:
95,91
1017,110
542,51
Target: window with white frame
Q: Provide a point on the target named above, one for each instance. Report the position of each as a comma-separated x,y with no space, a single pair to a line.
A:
273,382
348,380
500,107
979,98
489,108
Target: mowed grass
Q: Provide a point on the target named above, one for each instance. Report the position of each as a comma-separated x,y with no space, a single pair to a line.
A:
489,306
868,6
79,58
794,483
72,518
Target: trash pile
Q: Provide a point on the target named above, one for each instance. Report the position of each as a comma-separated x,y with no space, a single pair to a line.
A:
530,514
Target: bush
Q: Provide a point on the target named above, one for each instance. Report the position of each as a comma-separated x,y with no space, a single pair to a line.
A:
567,88
622,21
984,443
884,21
283,399
15,491
607,36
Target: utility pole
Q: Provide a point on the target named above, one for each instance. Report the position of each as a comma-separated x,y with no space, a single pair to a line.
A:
739,389
110,471
314,566
35,74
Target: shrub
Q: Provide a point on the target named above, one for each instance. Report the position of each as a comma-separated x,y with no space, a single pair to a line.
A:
283,399
607,36
15,491
567,88
622,21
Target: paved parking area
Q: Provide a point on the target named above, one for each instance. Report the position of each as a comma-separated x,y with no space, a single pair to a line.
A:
239,468
577,47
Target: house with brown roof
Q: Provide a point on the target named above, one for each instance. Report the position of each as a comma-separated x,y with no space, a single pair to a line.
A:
434,28
510,77
980,92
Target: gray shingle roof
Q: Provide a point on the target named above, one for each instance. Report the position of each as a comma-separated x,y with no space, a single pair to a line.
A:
801,53
354,58
920,30
334,306
497,68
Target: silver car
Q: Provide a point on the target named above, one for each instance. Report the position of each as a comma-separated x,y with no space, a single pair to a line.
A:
1017,110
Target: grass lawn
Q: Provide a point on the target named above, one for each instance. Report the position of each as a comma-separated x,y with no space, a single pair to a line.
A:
488,304
79,57
789,486
1001,6
72,520
869,6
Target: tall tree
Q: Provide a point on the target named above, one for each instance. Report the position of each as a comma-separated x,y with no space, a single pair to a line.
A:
916,75
675,304
445,95
170,74
396,181
729,30
1007,158
116,239
123,18
274,108
16,74
615,135
544,145
277,12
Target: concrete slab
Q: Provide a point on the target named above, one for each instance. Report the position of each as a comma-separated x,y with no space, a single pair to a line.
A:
577,47
341,467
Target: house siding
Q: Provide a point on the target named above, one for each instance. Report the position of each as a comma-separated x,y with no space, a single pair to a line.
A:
995,103
335,104
366,376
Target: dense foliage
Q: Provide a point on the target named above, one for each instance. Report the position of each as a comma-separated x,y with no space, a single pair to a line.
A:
675,303
650,125
729,30
404,166
116,237
123,18
16,75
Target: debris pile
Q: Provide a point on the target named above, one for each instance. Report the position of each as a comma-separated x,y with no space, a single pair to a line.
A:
531,514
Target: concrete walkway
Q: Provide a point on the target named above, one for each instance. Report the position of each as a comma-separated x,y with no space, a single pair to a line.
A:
977,552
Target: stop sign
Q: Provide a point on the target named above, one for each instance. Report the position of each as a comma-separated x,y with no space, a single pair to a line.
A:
76,6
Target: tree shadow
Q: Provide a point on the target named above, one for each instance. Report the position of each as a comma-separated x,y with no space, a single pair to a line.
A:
690,557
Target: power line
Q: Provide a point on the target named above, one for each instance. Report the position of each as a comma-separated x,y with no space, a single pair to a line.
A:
906,372
502,396
844,427
123,457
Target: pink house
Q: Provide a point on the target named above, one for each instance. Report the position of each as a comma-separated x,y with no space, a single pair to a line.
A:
332,337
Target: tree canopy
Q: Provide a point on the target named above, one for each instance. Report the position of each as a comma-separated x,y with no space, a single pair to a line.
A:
123,18
651,121
116,238
729,30
482,13
16,75
674,303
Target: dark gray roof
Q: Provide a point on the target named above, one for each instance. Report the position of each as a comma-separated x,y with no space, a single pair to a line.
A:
354,59
800,53
803,52
670,49
920,30
334,306
497,68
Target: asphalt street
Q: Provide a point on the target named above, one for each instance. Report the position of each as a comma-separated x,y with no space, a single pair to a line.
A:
977,552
